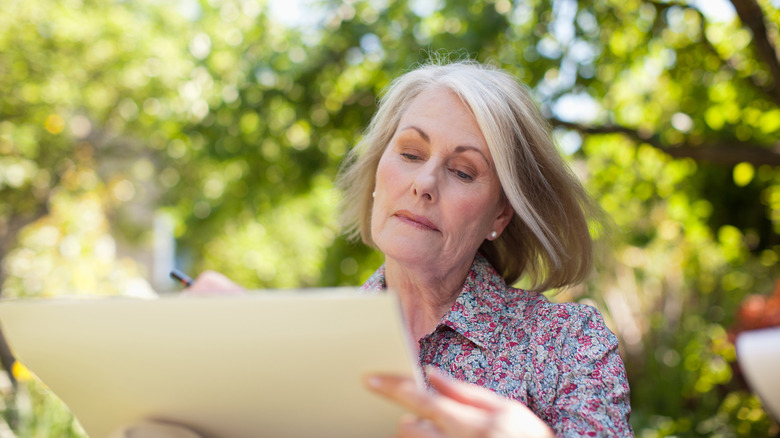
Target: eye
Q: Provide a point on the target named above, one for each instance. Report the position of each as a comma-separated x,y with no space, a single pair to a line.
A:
410,157
462,175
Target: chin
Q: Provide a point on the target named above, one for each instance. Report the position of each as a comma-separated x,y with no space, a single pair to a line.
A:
407,249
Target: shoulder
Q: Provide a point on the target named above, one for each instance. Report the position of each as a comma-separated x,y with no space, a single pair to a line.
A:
566,336
580,386
375,283
536,312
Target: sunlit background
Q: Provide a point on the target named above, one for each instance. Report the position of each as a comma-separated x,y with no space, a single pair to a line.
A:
136,136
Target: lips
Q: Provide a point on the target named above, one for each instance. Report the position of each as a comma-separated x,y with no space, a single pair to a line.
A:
420,222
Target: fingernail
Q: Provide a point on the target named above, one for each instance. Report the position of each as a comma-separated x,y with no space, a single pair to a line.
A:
374,381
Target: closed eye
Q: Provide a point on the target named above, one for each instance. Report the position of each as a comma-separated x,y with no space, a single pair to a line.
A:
462,175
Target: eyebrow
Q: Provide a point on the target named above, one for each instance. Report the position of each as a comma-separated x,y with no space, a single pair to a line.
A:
419,131
459,149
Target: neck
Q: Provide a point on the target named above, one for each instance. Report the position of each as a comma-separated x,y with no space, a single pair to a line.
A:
426,294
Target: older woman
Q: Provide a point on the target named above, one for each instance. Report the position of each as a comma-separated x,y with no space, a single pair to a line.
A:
457,181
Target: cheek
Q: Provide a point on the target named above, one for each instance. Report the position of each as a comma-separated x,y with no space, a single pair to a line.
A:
381,176
383,182
389,178
473,214
384,171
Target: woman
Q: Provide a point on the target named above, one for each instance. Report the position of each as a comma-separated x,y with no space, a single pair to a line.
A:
457,181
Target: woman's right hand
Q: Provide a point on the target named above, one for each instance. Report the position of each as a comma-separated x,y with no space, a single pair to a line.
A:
213,283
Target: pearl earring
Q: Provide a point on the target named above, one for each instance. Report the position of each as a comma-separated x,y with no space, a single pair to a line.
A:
373,195
493,235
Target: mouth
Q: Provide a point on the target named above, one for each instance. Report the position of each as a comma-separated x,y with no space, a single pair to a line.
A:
419,222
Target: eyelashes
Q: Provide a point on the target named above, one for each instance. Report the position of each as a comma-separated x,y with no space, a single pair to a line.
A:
463,175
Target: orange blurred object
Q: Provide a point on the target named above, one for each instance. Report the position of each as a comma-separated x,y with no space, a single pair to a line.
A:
759,311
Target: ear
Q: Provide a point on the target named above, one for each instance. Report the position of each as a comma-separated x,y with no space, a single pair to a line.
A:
504,215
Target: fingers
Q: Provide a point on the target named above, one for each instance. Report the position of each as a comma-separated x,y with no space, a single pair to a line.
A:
146,429
412,426
213,283
463,392
445,414
509,416
457,410
402,390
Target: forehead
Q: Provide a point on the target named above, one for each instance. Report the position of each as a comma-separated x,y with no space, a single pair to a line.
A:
436,98
441,113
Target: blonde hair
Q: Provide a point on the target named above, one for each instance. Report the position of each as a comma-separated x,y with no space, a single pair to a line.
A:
548,238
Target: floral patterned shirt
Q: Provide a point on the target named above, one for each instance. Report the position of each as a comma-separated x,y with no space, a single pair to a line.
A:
559,360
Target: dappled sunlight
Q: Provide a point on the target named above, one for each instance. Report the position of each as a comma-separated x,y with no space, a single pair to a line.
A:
232,119
70,252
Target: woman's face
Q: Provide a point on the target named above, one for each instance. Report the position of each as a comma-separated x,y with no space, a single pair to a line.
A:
437,193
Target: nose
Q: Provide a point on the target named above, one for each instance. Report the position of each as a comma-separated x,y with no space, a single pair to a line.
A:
425,183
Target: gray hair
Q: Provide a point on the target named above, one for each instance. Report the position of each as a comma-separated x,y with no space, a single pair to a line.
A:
548,238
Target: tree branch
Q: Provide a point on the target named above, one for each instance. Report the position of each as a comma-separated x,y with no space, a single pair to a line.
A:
11,229
730,153
768,89
752,16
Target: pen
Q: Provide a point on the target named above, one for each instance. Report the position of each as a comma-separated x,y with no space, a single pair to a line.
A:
181,277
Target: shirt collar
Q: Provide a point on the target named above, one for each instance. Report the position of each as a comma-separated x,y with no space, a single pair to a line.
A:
477,311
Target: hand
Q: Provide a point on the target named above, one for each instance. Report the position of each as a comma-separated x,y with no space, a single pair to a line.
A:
153,429
459,410
213,283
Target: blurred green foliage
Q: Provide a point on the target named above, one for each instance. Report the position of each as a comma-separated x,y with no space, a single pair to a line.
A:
234,125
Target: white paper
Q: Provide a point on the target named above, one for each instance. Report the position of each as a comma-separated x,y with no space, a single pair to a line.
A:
272,364
758,353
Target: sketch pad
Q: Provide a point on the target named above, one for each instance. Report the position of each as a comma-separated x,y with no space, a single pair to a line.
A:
270,365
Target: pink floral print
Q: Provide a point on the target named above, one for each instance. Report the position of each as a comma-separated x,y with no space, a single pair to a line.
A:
560,360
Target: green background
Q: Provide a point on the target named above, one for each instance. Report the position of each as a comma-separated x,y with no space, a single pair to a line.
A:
229,124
